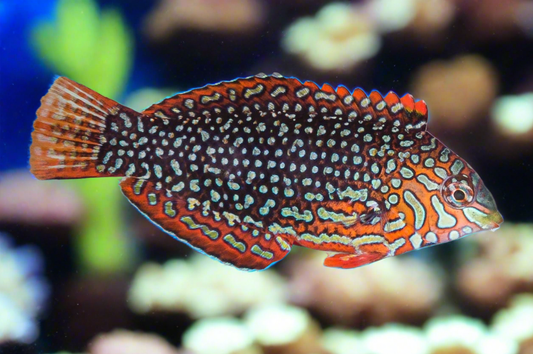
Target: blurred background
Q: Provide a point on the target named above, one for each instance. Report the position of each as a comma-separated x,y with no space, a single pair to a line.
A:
81,271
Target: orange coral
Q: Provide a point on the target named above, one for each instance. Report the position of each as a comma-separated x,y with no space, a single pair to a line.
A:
230,16
457,92
338,38
501,268
368,295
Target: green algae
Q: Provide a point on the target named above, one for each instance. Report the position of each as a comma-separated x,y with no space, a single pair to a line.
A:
94,48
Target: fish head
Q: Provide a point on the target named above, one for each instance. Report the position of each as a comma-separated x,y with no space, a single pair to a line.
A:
441,198
467,197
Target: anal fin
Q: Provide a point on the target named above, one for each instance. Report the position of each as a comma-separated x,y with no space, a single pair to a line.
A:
222,236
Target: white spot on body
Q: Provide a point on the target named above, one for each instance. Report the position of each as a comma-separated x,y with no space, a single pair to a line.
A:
416,240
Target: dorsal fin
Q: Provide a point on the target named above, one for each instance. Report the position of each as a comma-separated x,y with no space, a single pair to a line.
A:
343,91
408,102
327,88
376,99
393,102
416,113
421,108
265,93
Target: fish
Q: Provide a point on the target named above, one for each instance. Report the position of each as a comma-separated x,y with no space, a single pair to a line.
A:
243,170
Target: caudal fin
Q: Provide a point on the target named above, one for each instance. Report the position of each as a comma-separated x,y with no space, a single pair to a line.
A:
69,131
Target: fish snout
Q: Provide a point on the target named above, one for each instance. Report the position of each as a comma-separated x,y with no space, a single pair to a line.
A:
493,218
497,219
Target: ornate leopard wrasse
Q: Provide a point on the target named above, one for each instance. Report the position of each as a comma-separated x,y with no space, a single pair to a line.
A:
242,170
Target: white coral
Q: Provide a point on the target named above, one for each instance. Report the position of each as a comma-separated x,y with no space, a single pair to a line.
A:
460,332
22,293
369,293
516,322
15,324
407,340
277,324
202,287
342,341
223,335
513,115
338,38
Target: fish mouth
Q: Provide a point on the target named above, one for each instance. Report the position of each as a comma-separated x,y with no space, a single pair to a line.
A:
494,221
487,221
491,219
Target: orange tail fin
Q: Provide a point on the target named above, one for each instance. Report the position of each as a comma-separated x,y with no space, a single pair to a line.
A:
72,124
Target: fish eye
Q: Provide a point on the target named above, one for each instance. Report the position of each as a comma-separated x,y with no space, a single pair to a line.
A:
459,195
457,191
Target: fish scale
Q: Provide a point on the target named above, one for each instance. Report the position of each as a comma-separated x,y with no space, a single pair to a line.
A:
300,142
243,170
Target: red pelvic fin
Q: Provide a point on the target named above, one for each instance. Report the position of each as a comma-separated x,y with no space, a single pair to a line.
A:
68,132
347,261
